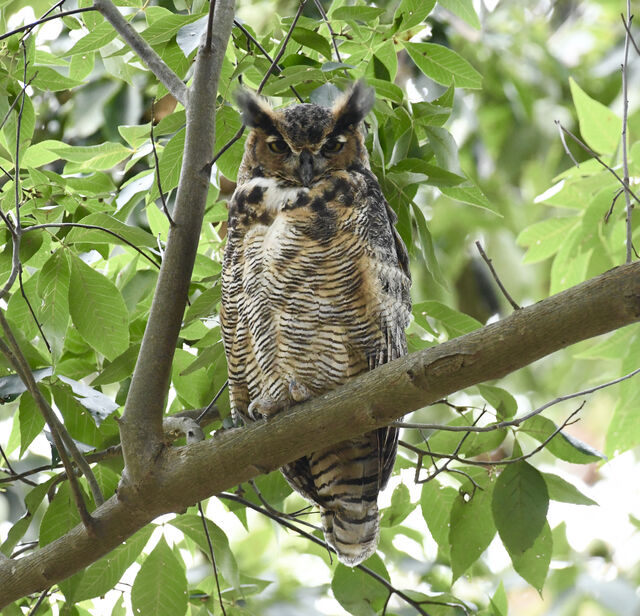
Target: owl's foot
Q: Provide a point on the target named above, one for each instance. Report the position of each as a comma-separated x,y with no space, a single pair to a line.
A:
261,408
298,391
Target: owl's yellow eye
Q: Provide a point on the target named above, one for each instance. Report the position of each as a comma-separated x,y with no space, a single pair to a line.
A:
279,146
332,145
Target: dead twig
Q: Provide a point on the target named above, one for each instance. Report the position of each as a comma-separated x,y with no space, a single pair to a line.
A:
513,303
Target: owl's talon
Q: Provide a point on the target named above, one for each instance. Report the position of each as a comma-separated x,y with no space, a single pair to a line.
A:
262,408
298,391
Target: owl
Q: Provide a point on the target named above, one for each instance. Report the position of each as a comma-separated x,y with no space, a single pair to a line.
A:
315,291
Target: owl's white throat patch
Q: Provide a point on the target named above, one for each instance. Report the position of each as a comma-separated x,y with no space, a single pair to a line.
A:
276,196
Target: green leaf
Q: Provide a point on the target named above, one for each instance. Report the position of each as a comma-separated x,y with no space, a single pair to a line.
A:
357,592
204,305
545,238
100,577
599,126
60,517
520,503
192,526
464,10
170,164
471,194
401,507
499,602
565,492
228,123
533,563
166,27
624,429
135,135
160,588
77,419
359,13
31,421
195,387
500,399
98,310
426,243
53,288
92,157
50,79
136,236
411,13
313,40
443,65
561,445
456,323
436,502
96,39
42,153
471,528
119,369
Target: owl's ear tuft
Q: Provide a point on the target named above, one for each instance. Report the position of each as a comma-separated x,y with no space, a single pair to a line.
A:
351,108
256,112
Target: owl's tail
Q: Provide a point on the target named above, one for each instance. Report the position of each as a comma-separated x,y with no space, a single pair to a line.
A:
353,532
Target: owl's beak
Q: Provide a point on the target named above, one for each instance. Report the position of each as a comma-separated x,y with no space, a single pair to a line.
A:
305,167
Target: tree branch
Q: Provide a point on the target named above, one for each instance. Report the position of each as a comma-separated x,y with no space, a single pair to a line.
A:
625,116
181,476
144,51
141,425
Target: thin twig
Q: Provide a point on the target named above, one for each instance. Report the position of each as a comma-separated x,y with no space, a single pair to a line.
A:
487,260
625,116
613,204
25,373
157,165
567,151
144,51
289,516
213,558
58,432
45,19
628,29
283,47
96,227
274,65
445,466
331,32
211,404
15,102
38,603
310,537
454,457
518,420
33,314
587,149
264,52
12,472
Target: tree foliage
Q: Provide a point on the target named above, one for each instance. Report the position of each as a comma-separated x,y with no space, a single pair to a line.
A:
463,142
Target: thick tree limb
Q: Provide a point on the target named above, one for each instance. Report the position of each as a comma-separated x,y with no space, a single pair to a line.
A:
141,425
184,475
144,51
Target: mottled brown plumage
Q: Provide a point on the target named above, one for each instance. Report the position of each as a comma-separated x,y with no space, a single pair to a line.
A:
315,291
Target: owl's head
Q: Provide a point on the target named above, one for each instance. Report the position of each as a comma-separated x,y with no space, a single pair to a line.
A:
302,144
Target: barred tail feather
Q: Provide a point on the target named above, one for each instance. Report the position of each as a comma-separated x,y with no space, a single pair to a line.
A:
352,534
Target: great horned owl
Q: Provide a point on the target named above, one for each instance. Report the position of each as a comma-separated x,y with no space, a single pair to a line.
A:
315,290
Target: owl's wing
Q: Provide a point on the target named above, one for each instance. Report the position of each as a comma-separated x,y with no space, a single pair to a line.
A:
232,290
390,267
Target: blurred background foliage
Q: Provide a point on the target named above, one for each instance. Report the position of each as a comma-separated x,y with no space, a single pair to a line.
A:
485,153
